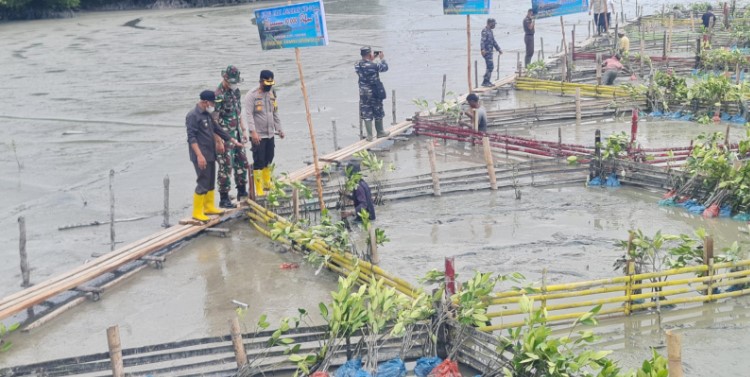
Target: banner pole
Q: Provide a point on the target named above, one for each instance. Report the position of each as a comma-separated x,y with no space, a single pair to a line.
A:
310,127
468,50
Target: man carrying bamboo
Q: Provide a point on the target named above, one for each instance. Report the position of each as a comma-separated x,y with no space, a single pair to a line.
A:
488,46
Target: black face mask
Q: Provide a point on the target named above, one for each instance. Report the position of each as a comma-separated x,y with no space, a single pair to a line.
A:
267,88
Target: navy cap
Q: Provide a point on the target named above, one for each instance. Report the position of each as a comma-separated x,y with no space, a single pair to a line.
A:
208,95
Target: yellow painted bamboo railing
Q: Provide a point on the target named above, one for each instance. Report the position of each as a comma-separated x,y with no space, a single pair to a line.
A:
587,90
339,261
624,294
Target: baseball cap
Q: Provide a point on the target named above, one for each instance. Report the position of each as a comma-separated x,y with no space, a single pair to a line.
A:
267,77
208,95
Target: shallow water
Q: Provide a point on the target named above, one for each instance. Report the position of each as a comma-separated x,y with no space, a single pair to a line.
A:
89,95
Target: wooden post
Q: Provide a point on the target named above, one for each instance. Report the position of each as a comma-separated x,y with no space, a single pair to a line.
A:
433,168
450,275
489,162
692,22
541,42
295,204
393,96
674,354
476,74
643,52
737,74
669,39
565,46
475,126
498,65
598,68
318,178
589,35
166,224
578,105
115,351
22,251
573,45
374,257
726,137
336,135
708,258
442,98
559,141
518,64
468,50
111,210
544,293
664,45
361,125
239,347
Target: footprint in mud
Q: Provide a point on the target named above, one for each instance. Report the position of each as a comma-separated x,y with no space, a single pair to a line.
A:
134,24
19,54
39,94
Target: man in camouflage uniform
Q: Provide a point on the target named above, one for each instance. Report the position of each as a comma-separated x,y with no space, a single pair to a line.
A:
488,47
370,104
229,109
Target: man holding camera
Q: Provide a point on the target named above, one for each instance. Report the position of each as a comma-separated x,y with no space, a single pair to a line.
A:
371,90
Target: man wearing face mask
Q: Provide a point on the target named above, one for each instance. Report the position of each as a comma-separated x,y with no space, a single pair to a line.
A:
261,117
371,90
201,129
229,109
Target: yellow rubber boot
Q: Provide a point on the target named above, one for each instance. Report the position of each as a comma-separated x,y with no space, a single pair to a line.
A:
258,180
267,177
208,206
198,201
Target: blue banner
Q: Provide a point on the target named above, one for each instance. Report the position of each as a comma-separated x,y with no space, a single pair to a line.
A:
551,8
298,25
466,6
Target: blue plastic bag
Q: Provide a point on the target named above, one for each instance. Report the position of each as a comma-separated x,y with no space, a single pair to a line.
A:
596,181
612,180
350,368
425,365
725,211
741,217
392,368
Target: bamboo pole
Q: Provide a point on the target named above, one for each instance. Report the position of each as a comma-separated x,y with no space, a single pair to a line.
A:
498,66
336,135
674,354
115,351
22,251
433,169
664,46
239,347
692,22
318,178
559,141
489,162
374,256
541,42
565,46
111,211
295,204
476,73
598,69
669,38
393,97
468,51
475,119
578,105
442,97
518,64
165,223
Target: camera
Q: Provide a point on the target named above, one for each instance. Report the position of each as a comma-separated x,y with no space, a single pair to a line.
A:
377,53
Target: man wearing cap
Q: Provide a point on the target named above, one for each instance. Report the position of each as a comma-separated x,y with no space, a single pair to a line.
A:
201,129
229,109
528,36
261,117
487,47
361,196
371,90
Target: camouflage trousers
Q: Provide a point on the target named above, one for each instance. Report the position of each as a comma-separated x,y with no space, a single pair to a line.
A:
233,159
490,63
369,107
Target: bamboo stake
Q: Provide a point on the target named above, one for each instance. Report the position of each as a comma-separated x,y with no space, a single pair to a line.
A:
442,98
518,64
239,347
468,50
22,251
489,162
335,133
498,65
674,354
541,42
318,177
115,351
737,73
295,204
111,211
433,169
598,69
361,123
476,120
692,22
166,224
669,39
559,141
476,74
578,105
393,97
664,45
565,46
726,137
374,256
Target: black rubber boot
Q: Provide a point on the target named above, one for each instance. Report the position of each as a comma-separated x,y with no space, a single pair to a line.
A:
241,193
224,202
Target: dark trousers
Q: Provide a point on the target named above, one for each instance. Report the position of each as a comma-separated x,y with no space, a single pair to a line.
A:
528,39
263,153
206,177
489,62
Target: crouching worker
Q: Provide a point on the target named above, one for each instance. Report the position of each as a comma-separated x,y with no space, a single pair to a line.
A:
201,128
361,196
476,109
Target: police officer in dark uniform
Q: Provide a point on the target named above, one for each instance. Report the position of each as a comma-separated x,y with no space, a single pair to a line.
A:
201,128
371,90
